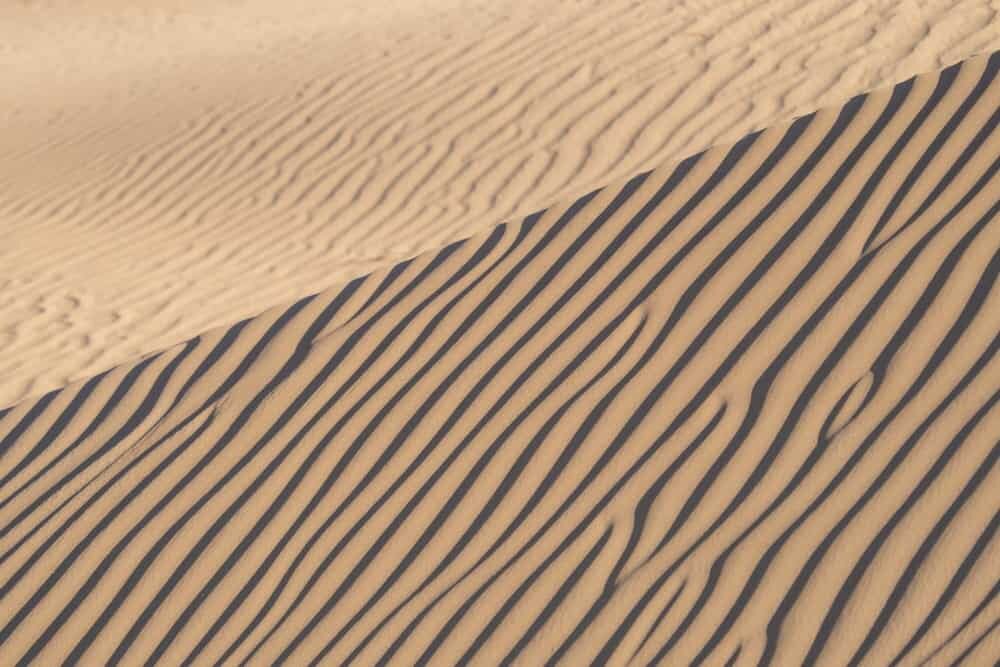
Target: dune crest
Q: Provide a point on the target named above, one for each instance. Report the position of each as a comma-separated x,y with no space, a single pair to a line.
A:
741,409
172,166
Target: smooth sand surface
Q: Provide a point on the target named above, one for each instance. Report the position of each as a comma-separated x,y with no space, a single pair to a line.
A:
175,165
743,409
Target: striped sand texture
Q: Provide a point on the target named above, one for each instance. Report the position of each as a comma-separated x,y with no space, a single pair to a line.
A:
169,166
742,410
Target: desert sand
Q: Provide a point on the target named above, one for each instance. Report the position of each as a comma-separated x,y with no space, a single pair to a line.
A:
171,166
741,409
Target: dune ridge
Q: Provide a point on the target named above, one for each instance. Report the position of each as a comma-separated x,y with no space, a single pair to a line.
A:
173,166
741,409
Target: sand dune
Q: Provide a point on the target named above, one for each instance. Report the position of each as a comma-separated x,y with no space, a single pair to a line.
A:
738,410
173,166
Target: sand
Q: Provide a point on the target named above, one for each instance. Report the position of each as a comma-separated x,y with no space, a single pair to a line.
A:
741,409
172,166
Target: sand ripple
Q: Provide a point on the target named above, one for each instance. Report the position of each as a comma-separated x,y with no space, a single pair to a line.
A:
738,410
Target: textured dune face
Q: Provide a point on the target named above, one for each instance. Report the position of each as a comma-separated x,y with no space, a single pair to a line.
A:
168,167
738,410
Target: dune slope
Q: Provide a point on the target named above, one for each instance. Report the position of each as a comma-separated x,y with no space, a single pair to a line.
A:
171,166
737,410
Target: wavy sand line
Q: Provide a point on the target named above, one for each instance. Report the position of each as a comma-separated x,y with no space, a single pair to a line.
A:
738,410
164,171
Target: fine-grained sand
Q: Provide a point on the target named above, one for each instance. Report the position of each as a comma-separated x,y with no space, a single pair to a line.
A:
741,410
175,165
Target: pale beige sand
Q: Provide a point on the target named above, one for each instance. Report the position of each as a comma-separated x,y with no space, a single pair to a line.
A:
744,410
174,165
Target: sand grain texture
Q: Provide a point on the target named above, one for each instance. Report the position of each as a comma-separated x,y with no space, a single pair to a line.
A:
173,166
741,409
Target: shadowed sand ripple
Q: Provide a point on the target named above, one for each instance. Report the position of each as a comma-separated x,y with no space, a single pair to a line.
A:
738,410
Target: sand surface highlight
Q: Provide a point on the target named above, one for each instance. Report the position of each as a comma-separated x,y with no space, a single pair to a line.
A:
741,410
172,166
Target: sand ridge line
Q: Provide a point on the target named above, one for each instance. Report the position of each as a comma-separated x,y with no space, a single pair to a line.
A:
166,171
743,407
